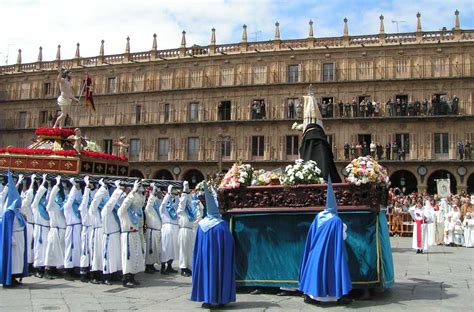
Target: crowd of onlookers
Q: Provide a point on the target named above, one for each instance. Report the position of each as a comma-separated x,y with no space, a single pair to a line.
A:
453,217
400,106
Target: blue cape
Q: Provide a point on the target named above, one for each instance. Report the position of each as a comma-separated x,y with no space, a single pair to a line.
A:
12,212
324,269
213,216
214,266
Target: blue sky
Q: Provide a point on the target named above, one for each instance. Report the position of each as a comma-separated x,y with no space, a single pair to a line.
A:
28,24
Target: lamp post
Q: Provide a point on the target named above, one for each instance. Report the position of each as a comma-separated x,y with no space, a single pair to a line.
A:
219,141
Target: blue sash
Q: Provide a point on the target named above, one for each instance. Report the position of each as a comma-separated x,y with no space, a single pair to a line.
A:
191,209
60,200
157,209
171,210
134,216
42,208
75,207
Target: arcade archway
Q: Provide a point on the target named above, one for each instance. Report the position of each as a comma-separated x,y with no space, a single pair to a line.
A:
470,184
136,173
441,174
163,174
193,176
405,181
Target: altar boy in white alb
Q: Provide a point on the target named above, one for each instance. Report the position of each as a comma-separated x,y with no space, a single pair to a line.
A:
55,248
86,232
188,215
72,256
133,260
153,230
26,210
41,228
421,219
169,233
111,261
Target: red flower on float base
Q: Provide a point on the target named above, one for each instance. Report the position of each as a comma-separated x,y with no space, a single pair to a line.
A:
42,151
54,132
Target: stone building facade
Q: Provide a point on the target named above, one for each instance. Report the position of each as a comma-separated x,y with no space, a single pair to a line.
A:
190,112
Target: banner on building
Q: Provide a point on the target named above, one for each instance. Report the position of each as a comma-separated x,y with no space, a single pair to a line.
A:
444,187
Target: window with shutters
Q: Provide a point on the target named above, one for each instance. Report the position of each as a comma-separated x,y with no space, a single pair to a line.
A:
260,74
166,81
112,85
25,90
258,146
163,148
107,146
364,70
43,118
196,79
193,148
223,110
441,145
167,112
403,142
328,72
440,67
402,68
227,77
293,73
134,147
139,83
193,111
138,114
47,88
22,120
225,148
292,145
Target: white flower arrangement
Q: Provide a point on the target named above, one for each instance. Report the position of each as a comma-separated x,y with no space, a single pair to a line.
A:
365,170
302,173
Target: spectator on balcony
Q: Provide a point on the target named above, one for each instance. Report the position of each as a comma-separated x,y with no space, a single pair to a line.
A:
291,109
448,106
258,110
373,149
298,110
467,150
395,150
347,109
355,108
461,150
455,106
353,150
424,107
358,150
376,108
366,148
435,105
362,108
403,108
330,109
389,107
369,109
417,106
324,109
341,108
411,108
444,106
388,150
346,151
379,149
402,154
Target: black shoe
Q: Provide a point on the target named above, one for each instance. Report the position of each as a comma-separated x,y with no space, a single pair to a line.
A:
48,275
95,281
256,291
69,277
171,270
128,284
135,282
107,282
39,274
309,300
149,269
206,306
84,278
164,272
344,300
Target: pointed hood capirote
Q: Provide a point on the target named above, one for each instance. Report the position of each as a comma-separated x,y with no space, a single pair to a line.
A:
213,216
331,205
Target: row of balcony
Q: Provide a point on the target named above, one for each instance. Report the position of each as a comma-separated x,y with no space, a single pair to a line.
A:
196,79
115,116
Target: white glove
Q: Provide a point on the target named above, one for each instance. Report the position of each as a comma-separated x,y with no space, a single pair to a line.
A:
101,182
136,184
20,178
86,180
117,183
186,186
152,185
170,188
58,180
71,180
44,179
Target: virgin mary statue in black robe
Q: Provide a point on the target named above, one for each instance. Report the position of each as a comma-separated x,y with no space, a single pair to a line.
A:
315,145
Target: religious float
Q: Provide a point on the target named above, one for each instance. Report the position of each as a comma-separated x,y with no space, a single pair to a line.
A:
270,222
64,151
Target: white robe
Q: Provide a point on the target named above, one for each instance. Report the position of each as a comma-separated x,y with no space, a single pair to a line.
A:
26,210
57,231
72,256
97,230
3,200
458,234
133,258
169,234
431,227
40,230
153,232
449,232
111,256
186,234
469,232
86,231
425,217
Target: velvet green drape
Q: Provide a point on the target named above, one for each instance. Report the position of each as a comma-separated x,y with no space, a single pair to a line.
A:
269,248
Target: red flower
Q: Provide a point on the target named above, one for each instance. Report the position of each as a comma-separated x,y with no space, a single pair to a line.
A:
54,132
42,151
